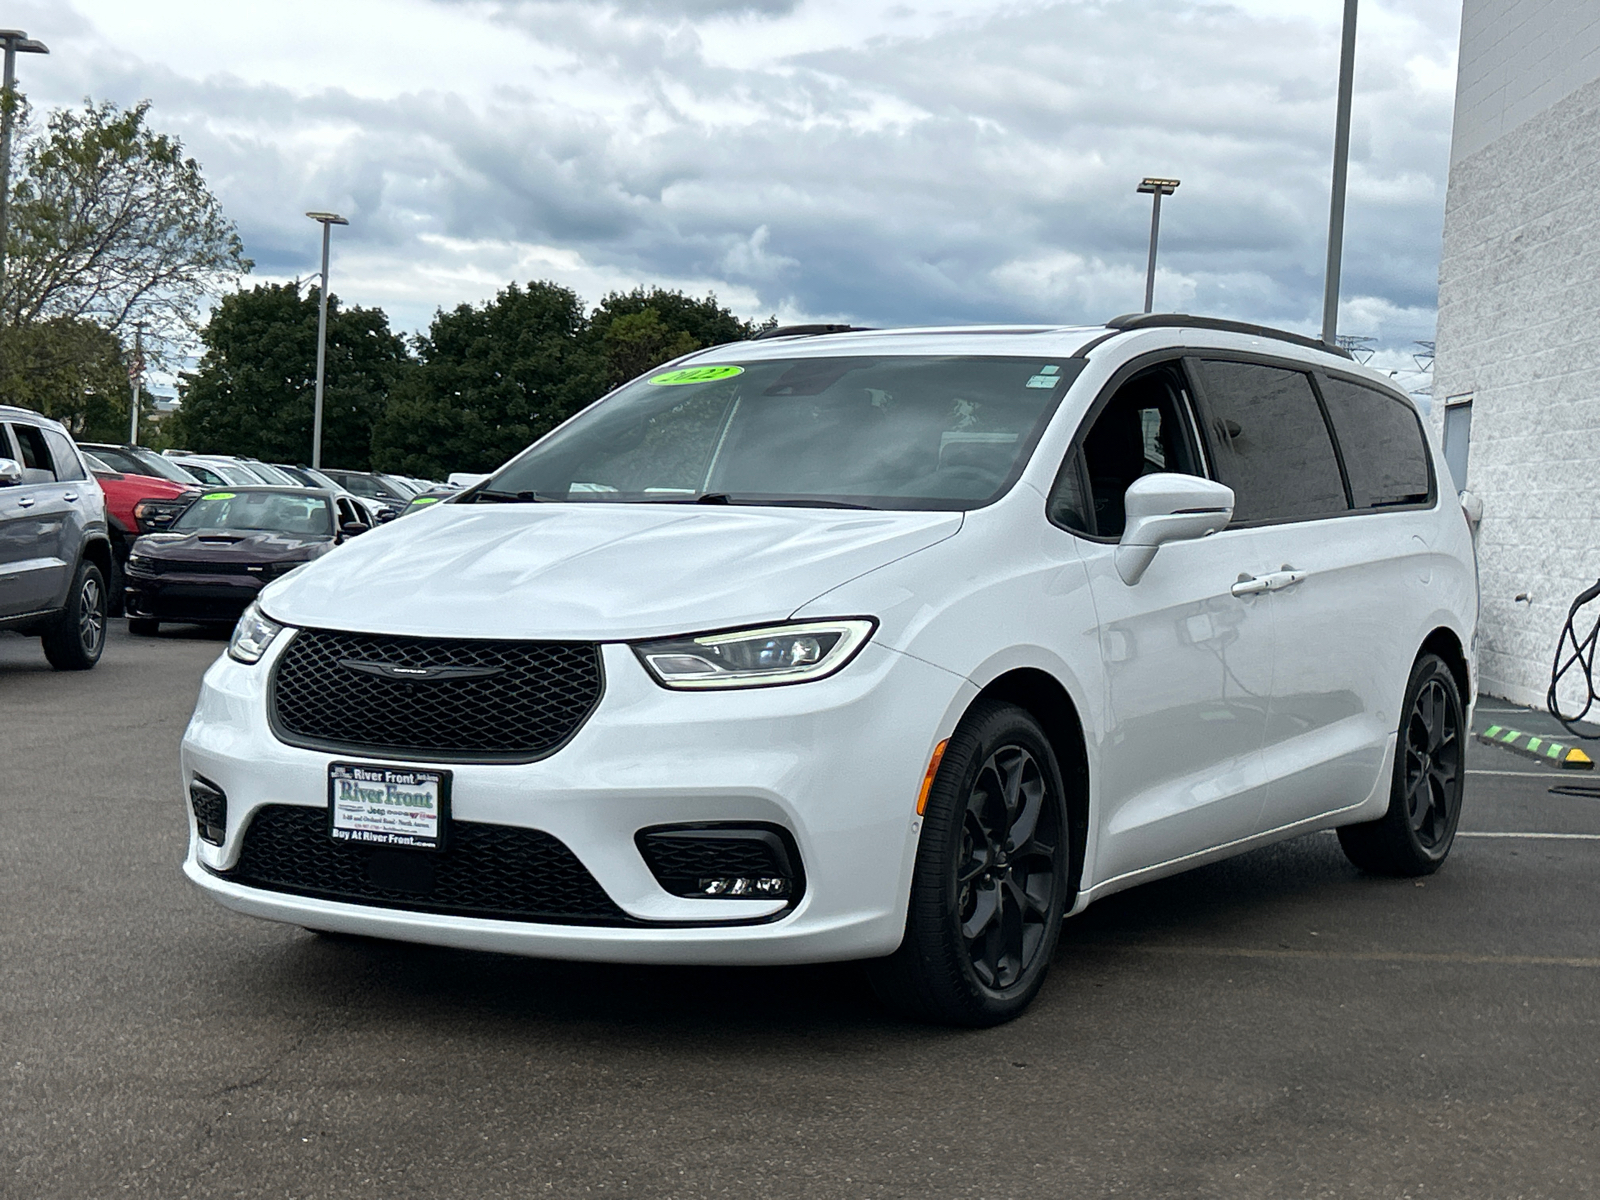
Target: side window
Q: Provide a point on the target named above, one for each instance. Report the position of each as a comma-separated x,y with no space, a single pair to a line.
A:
36,466
63,454
1141,431
1270,442
1384,454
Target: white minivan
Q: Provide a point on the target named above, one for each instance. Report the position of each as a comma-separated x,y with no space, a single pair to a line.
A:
892,645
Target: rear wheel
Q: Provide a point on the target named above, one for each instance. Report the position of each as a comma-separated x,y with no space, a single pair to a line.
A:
75,641
143,627
1415,835
989,890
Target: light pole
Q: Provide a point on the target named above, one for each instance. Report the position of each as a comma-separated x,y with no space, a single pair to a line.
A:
1341,163
328,221
15,42
1155,189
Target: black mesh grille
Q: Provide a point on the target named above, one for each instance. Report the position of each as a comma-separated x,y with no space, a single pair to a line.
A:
536,697
487,871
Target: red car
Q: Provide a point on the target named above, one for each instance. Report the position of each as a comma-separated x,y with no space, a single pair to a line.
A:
135,505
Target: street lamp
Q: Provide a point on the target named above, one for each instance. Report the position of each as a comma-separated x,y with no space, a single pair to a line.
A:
1155,189
15,42
328,221
1341,163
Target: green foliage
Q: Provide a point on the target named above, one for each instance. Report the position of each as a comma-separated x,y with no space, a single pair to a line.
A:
494,378
254,391
71,370
111,222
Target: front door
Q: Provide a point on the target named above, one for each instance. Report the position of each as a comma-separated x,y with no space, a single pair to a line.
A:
1188,664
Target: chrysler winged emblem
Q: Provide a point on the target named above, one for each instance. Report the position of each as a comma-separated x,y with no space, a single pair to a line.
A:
385,670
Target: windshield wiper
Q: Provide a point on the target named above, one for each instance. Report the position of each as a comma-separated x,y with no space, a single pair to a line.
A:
517,497
758,501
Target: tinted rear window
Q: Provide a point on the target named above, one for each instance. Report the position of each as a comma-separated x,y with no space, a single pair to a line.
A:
1270,443
1381,440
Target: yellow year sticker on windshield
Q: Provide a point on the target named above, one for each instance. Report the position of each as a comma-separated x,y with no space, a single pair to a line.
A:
695,375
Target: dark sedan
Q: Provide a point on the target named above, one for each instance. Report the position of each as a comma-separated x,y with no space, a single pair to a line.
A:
225,546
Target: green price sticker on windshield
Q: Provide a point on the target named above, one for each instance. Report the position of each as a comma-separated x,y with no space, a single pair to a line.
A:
219,496
426,500
695,375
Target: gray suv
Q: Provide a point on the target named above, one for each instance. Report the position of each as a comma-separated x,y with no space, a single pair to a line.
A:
55,553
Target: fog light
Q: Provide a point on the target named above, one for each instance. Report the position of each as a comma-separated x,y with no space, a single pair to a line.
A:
745,885
210,806
724,860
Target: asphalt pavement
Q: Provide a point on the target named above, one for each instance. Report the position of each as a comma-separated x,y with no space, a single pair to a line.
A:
1278,1025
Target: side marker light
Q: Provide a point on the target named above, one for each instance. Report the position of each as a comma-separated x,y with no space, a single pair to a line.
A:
927,779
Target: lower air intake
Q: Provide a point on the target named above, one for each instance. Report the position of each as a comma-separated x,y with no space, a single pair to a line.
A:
498,871
724,862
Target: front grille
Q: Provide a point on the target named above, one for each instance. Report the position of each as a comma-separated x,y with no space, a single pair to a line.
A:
486,871
539,694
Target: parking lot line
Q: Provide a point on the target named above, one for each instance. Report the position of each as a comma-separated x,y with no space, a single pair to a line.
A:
1579,962
1518,774
1562,837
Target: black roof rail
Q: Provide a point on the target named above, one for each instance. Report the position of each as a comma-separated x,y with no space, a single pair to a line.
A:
1128,321
808,331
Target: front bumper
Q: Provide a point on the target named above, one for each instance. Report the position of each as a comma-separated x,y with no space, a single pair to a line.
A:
837,762
191,599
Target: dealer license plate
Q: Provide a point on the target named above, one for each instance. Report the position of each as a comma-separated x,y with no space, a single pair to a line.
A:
388,806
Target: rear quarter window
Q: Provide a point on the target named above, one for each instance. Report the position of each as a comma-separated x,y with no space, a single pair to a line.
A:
1381,439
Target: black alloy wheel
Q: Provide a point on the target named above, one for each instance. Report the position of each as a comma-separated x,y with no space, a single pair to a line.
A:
989,890
1415,835
78,637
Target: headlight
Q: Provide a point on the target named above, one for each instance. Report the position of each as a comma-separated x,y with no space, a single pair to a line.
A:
755,657
252,635
158,514
138,562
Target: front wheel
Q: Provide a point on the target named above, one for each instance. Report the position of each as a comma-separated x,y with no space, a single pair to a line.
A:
75,641
989,890
1415,835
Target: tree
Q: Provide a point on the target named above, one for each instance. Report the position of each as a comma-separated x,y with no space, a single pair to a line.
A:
69,369
111,223
490,380
254,390
634,331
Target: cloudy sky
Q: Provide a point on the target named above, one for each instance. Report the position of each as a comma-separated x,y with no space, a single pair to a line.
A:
876,162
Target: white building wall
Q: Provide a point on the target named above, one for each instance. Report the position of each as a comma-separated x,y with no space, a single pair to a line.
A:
1519,319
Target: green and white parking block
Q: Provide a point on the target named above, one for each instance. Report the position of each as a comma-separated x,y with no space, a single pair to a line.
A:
1557,754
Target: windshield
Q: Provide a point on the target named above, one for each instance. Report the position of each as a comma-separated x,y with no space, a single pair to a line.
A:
271,474
873,432
366,485
278,512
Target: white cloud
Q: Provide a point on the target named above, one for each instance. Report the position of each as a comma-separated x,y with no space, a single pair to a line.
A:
882,162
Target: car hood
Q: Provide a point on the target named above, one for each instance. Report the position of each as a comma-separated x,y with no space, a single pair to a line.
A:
231,545
593,572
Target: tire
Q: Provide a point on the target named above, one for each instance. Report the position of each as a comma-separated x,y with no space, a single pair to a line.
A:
989,889
76,640
1414,837
143,626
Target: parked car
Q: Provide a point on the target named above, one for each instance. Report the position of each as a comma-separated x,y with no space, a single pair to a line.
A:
428,498
214,558
140,460
311,477
385,490
55,551
135,505
895,645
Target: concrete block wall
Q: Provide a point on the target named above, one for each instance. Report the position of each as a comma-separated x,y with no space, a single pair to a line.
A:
1519,330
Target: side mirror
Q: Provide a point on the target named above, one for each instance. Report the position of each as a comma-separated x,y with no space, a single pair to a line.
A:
1471,505
386,515
351,528
1168,508
10,472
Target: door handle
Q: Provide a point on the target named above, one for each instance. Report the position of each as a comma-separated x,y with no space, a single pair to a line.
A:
1285,578
25,501
69,495
1249,585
